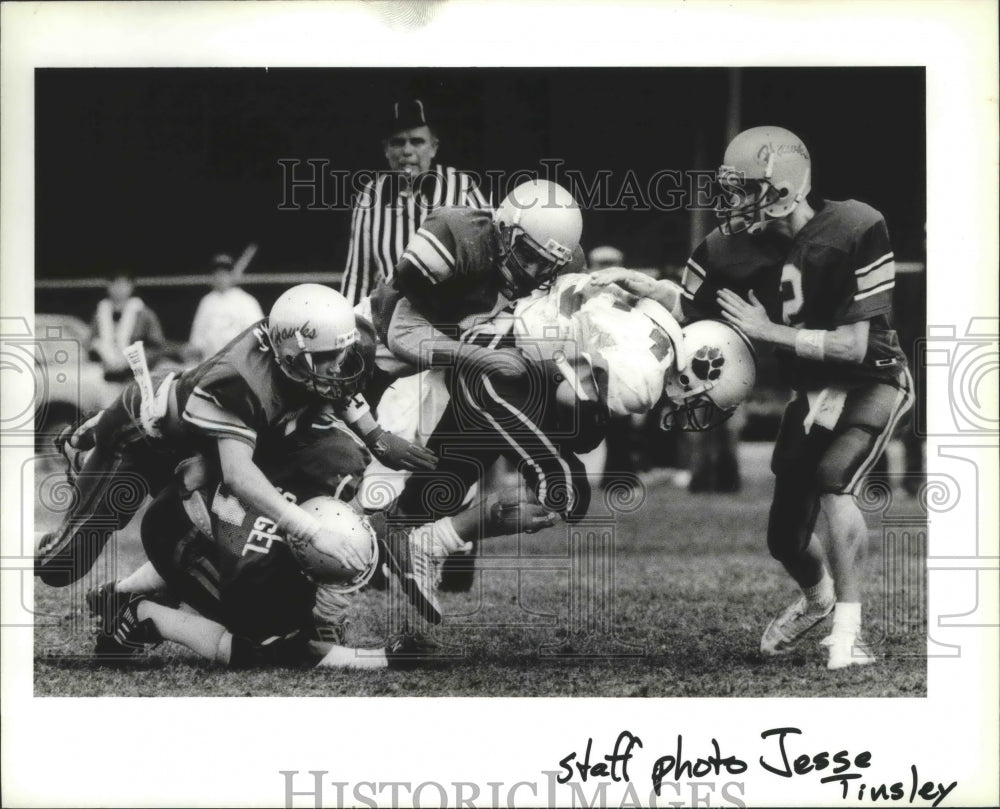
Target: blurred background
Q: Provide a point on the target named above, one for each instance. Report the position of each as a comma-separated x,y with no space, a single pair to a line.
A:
155,172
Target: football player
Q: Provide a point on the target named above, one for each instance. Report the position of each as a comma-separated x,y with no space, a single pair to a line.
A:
461,268
311,354
593,350
263,595
813,278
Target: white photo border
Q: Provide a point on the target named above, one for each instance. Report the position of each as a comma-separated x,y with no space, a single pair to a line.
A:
229,752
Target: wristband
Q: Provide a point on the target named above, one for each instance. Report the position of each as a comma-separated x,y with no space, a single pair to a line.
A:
299,523
809,344
355,410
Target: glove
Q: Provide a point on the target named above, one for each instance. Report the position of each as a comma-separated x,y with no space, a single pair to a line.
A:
514,512
398,453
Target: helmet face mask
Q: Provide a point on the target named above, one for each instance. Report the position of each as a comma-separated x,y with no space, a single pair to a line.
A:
314,337
694,415
745,203
526,265
310,370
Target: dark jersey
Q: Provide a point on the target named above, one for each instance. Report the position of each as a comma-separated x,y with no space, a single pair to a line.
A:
262,589
447,274
241,392
838,270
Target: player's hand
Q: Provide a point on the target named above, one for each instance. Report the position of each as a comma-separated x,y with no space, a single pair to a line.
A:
344,552
398,453
638,283
750,318
507,363
513,511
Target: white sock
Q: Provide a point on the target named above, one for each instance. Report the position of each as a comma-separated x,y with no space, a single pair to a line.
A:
344,657
822,592
847,617
441,538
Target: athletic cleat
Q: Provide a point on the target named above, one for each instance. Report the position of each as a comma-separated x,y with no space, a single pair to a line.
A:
847,649
417,571
73,442
121,634
790,625
104,602
404,652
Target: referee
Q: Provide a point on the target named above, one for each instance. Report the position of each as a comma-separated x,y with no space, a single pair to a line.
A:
390,208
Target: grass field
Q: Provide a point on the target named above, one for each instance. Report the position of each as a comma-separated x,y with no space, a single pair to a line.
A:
693,586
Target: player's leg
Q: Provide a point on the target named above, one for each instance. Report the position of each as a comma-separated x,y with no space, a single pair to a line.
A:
519,413
791,537
141,622
866,425
181,567
466,449
110,488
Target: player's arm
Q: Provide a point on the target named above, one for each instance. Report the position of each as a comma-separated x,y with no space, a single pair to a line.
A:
224,412
245,479
413,338
665,292
392,450
847,343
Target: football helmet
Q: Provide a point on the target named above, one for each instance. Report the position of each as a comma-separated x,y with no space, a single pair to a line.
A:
314,338
346,526
720,372
539,226
765,173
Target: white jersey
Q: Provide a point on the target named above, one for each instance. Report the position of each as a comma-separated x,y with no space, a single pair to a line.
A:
600,340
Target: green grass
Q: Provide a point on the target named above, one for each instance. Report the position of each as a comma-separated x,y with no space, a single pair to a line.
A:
693,588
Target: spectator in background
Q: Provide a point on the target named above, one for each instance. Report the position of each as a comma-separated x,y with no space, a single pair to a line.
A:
120,320
223,313
605,256
394,204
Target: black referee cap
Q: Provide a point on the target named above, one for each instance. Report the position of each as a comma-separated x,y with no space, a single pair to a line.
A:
408,114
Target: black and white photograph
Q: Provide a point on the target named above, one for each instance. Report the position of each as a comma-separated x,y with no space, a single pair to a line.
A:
341,387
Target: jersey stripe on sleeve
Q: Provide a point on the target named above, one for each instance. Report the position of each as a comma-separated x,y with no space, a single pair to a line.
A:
692,278
203,411
427,253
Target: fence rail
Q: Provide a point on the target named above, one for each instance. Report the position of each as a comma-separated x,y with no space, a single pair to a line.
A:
271,278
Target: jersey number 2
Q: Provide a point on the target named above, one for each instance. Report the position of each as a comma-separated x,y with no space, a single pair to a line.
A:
791,294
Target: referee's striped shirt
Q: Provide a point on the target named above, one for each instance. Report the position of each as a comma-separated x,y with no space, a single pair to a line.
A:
383,221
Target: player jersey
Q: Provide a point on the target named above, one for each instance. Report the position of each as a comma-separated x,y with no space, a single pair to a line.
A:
263,591
241,392
447,275
596,335
839,269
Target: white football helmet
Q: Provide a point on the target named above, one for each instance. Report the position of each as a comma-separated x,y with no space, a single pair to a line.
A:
539,225
309,326
720,372
348,527
764,175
